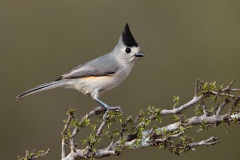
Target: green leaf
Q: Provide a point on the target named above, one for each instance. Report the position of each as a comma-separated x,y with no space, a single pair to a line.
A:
116,132
94,127
84,123
182,129
84,141
176,100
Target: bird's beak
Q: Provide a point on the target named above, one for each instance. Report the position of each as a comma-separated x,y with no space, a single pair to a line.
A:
139,54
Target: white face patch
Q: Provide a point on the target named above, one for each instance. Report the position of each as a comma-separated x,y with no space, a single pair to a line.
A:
125,58
135,49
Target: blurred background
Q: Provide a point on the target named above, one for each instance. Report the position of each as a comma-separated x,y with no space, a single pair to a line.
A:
182,41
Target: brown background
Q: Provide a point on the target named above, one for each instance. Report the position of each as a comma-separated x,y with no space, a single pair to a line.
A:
182,40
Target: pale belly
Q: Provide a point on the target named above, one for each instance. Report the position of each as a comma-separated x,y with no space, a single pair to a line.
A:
94,86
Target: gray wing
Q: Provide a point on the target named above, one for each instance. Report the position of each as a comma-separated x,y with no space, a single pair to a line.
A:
102,66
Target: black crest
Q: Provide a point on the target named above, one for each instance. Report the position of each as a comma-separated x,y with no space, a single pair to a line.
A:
127,37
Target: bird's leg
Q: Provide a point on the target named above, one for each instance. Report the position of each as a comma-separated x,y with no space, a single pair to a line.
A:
108,108
104,105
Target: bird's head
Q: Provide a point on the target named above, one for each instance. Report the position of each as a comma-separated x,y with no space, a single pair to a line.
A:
127,50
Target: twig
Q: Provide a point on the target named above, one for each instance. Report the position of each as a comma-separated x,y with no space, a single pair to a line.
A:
227,88
99,131
64,132
196,88
34,155
235,103
220,108
183,107
207,142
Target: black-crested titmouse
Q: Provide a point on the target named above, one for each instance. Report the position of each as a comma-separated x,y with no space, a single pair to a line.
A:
101,74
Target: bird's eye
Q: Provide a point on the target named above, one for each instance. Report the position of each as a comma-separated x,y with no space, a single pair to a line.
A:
128,50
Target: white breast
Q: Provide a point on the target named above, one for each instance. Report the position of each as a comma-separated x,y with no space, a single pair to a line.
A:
94,86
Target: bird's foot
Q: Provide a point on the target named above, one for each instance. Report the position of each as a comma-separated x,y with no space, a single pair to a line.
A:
106,115
108,109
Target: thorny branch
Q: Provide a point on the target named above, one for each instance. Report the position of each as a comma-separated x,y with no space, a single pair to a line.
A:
34,155
141,132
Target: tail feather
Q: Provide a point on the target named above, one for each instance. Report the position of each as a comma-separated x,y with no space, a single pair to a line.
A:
43,87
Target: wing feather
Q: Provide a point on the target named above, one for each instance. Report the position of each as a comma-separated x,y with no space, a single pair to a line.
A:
102,66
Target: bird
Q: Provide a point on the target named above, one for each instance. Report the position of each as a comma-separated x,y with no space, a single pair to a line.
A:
99,75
